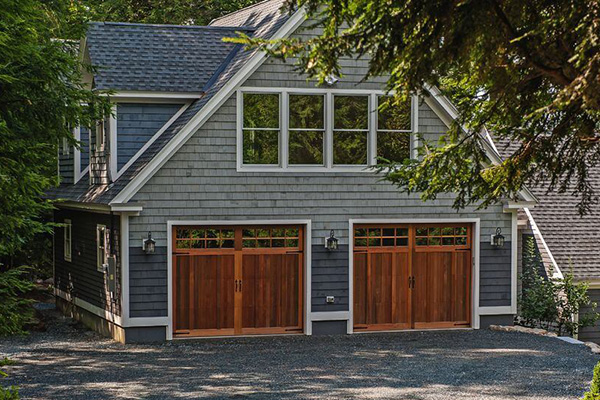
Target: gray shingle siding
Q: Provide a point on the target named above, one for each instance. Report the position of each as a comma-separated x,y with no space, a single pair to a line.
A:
329,278
592,333
200,182
80,277
136,124
148,282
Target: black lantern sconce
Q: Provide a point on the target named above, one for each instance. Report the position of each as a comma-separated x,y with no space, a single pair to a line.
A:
149,245
498,239
331,243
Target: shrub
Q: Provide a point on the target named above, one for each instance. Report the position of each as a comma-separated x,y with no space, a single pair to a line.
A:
594,392
553,303
11,392
15,311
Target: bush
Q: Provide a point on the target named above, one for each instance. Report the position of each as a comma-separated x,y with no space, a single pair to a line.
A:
15,311
11,392
552,303
594,392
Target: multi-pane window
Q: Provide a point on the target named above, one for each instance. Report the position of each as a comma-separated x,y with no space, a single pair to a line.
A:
393,129
102,247
261,127
319,129
67,240
350,130
306,129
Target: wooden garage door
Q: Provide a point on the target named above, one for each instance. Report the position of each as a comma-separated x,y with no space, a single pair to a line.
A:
412,276
237,280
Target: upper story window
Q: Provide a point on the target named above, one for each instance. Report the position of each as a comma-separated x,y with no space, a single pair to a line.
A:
317,130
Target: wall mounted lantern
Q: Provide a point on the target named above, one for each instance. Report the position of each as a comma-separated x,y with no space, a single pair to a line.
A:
331,242
149,245
331,79
498,239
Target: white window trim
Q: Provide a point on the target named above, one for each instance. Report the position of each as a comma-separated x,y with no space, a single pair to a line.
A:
328,166
100,266
67,240
65,147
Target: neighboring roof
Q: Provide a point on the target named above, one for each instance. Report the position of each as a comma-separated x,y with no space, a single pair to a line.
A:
265,20
572,240
165,58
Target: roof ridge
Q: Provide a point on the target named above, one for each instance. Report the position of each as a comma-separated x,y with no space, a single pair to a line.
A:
240,10
247,28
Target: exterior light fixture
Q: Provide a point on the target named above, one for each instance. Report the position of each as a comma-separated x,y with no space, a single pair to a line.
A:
149,245
497,239
331,243
331,79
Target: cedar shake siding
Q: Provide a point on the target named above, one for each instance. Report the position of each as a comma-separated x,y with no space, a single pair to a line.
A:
200,182
80,277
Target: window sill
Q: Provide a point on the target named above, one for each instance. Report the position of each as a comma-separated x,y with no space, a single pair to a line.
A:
307,169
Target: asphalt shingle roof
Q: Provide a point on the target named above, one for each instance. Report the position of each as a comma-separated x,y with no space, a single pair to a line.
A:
264,19
573,240
164,58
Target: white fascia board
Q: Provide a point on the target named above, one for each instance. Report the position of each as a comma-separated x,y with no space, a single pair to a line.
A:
200,118
536,231
443,103
127,208
150,95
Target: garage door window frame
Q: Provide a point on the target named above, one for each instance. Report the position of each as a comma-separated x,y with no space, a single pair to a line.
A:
307,260
476,222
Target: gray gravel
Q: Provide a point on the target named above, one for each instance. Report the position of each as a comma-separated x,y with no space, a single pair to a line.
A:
68,362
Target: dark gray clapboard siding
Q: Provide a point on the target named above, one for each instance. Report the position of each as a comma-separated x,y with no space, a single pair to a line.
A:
136,124
329,278
147,282
494,275
84,138
592,333
80,276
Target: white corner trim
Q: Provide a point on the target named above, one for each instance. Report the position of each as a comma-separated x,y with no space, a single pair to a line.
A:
536,231
196,121
307,261
124,236
112,146
475,309
151,140
100,312
514,235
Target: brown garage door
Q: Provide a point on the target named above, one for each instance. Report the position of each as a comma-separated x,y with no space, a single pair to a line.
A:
237,280
412,276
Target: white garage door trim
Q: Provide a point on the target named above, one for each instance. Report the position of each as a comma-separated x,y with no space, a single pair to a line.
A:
475,275
307,260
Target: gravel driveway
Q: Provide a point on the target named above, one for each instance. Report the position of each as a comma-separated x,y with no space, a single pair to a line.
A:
68,362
